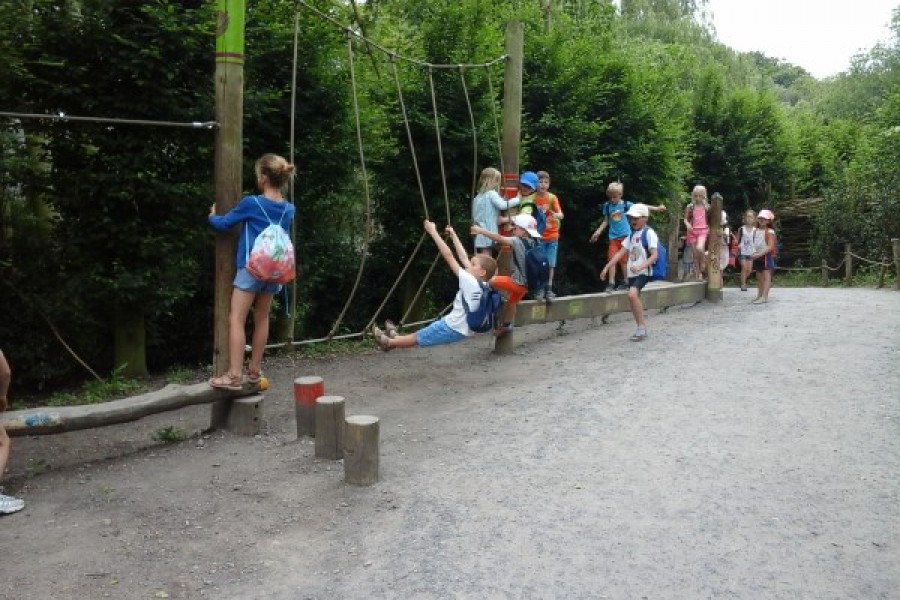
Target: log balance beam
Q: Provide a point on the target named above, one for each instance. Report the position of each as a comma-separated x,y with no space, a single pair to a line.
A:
657,294
53,419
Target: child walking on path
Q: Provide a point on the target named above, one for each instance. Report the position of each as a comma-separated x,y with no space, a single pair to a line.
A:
640,264
548,202
746,235
616,221
255,213
487,207
697,226
453,327
764,255
8,504
523,239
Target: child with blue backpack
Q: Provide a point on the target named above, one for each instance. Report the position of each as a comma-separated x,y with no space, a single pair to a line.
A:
255,214
472,273
646,261
530,269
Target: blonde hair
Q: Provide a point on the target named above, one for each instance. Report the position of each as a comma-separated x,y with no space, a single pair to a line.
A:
487,263
277,170
489,180
615,186
701,190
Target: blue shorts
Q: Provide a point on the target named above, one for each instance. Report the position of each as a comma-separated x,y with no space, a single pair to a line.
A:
638,282
743,257
438,333
551,249
246,282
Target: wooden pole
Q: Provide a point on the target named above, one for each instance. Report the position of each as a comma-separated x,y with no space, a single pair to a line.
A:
361,454
881,272
848,265
825,275
330,427
895,244
512,131
229,84
306,391
245,415
674,233
713,244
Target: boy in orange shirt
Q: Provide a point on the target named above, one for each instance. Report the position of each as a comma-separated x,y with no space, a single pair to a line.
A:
547,202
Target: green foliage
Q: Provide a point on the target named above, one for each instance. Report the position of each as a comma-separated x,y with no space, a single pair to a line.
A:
95,392
170,434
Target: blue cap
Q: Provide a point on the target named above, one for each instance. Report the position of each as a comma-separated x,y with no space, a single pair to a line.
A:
530,179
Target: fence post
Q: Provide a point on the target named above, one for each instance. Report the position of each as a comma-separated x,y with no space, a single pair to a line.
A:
824,272
881,270
895,242
848,265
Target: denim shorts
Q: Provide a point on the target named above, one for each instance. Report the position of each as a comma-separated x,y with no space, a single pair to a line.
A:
551,249
246,282
638,282
743,257
438,333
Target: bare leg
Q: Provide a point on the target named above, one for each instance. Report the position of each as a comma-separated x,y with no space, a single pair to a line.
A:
637,307
700,256
404,341
237,339
261,308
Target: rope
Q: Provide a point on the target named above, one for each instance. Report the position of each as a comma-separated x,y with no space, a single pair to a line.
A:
462,78
396,283
419,291
61,116
291,198
437,131
871,262
365,178
412,148
371,43
496,121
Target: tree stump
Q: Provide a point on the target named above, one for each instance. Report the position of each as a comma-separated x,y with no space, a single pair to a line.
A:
361,450
330,427
245,415
306,391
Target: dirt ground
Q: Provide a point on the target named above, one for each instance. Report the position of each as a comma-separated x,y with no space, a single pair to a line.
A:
740,452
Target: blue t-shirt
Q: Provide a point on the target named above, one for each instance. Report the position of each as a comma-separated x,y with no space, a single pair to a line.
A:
248,212
617,220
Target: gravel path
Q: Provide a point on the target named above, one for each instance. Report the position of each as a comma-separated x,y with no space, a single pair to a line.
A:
740,452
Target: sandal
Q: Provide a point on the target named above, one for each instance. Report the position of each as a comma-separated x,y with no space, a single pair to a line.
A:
254,377
381,339
226,382
640,335
390,328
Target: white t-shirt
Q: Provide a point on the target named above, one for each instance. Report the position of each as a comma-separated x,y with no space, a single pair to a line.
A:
636,252
747,240
759,241
470,290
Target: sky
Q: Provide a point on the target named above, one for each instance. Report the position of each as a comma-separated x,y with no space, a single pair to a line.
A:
818,35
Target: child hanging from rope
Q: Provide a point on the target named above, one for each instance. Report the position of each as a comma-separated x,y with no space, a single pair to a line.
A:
453,327
255,213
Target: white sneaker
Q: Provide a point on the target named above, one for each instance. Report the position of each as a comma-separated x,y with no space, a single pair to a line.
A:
8,504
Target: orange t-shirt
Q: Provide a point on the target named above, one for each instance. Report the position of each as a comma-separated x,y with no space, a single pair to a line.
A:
549,203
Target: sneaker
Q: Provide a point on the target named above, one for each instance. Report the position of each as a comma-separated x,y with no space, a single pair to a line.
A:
640,335
381,339
549,296
9,505
390,328
621,287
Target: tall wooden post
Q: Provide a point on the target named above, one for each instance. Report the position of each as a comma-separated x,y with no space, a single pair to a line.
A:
848,265
713,244
512,131
228,166
895,244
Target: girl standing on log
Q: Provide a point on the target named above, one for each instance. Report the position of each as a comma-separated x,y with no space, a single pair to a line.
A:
697,226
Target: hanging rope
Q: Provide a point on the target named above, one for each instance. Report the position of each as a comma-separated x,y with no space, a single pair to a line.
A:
437,132
496,120
365,178
415,299
462,78
396,283
412,147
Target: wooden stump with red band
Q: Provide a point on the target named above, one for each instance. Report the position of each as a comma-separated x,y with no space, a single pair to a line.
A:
306,391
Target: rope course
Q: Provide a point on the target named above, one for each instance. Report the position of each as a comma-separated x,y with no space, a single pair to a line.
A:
393,58
61,116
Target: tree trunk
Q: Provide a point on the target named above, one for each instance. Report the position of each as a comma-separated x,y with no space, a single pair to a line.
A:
130,347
